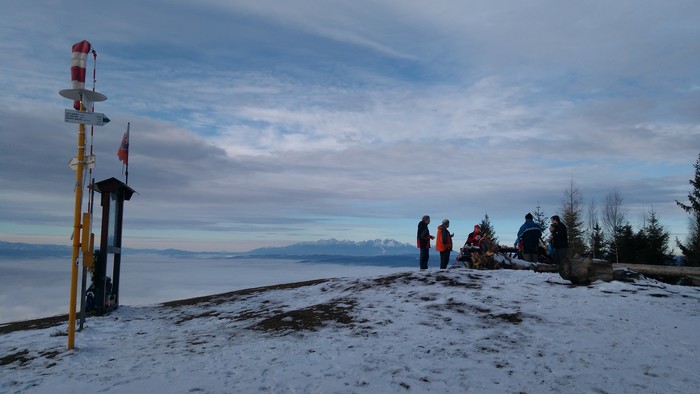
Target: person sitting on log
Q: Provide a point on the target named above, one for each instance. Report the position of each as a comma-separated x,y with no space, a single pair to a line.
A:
475,242
474,238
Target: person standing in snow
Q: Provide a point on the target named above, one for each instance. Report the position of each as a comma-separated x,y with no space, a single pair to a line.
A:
529,236
423,240
559,239
443,244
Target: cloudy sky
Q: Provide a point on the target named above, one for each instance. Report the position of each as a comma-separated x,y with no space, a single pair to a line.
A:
271,122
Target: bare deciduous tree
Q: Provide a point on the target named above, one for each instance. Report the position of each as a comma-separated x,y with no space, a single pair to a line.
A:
613,218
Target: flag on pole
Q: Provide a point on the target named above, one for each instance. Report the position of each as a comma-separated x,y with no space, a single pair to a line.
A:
123,151
77,67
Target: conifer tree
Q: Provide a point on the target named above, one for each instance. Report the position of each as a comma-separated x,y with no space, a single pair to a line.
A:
627,243
591,222
541,219
598,249
487,230
691,248
652,242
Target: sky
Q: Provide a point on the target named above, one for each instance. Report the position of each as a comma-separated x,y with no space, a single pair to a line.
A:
267,123
452,331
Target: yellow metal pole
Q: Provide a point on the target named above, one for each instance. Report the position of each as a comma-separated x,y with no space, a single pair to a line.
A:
76,233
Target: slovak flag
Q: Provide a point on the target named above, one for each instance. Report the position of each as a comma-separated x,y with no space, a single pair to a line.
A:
123,151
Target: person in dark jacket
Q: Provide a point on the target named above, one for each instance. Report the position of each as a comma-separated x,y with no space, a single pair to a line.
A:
559,239
474,244
474,238
529,236
443,244
423,241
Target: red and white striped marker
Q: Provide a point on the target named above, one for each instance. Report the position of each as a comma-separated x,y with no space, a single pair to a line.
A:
77,67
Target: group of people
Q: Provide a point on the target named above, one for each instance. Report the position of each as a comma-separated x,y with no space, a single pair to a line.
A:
443,244
530,234
528,241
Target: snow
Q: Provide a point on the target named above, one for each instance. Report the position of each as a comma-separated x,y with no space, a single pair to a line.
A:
35,289
400,330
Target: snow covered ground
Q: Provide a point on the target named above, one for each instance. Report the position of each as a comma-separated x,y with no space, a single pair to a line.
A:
453,331
31,289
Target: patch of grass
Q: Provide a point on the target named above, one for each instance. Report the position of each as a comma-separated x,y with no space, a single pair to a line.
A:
515,318
35,324
309,319
185,318
230,296
21,357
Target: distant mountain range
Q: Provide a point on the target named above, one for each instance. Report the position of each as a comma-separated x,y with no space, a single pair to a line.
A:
326,248
377,247
34,251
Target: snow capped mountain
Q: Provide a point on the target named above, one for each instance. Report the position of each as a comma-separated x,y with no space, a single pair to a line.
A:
377,247
328,247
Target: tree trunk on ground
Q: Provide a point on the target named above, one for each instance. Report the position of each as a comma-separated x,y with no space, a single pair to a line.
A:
661,270
580,270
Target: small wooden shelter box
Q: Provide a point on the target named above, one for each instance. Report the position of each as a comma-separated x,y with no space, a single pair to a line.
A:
114,192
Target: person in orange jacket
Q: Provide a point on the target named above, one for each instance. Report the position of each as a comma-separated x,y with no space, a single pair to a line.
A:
443,243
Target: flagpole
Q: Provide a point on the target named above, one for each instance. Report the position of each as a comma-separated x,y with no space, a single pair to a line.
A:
128,126
87,227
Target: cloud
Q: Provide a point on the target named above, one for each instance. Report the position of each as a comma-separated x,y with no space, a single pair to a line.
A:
351,120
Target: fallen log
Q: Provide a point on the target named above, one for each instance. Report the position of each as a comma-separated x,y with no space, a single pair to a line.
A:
581,270
691,275
661,270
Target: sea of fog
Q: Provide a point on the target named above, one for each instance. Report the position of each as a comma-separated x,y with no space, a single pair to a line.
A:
31,289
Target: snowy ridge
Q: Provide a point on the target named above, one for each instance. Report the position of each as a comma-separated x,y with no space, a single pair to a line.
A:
454,331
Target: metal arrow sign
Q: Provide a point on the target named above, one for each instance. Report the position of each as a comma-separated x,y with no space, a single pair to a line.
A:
81,117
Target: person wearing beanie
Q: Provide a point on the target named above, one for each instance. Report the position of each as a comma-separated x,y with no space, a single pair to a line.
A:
474,238
473,244
443,243
423,241
529,237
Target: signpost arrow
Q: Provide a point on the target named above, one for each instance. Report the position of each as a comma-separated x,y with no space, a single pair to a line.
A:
81,117
89,162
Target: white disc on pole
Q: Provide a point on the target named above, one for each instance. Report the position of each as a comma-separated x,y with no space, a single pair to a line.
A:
78,94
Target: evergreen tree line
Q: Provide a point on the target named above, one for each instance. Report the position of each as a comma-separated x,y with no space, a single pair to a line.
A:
607,234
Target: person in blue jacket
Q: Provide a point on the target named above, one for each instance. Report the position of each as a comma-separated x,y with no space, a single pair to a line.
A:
529,237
